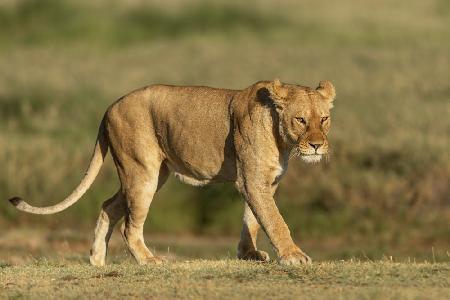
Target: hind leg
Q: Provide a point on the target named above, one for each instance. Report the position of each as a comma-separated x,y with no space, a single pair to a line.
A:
113,210
139,195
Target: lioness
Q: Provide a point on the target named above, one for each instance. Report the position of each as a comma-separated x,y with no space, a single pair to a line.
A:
205,135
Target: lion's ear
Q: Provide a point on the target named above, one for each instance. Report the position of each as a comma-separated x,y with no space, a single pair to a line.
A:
278,93
327,90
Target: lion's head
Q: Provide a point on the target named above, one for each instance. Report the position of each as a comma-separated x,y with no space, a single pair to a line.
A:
304,117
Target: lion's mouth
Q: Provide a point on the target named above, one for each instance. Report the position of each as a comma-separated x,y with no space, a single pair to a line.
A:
306,157
311,158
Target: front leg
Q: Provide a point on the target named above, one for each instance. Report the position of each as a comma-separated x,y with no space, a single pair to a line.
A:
261,202
247,245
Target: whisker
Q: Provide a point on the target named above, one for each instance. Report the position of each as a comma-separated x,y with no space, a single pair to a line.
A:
294,153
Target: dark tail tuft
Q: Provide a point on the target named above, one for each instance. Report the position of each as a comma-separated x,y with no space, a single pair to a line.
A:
15,201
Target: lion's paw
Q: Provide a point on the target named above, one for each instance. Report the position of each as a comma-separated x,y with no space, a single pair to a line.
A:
154,260
255,255
296,258
97,261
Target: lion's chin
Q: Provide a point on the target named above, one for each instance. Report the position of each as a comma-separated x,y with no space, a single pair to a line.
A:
311,159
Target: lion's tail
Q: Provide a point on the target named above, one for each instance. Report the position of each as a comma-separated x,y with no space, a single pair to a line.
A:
100,151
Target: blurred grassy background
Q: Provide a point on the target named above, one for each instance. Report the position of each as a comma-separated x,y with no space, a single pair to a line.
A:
387,186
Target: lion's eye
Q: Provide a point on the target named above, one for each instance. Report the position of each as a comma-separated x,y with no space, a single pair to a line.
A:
301,120
324,119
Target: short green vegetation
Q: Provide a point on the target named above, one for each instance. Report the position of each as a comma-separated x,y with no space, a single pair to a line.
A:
227,279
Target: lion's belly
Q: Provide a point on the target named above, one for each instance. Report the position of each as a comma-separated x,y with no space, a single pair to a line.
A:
195,136
193,165
191,180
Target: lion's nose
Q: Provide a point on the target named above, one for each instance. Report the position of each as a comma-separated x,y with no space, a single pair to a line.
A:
316,145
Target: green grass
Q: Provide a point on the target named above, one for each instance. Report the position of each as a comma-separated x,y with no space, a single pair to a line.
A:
225,279
44,22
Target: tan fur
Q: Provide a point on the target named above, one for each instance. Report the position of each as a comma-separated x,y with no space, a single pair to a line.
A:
205,135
